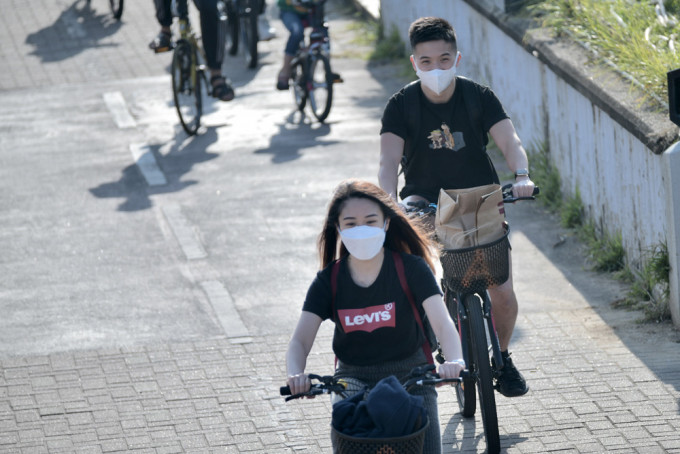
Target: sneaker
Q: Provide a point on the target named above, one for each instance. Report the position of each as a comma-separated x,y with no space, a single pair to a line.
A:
265,31
337,78
510,382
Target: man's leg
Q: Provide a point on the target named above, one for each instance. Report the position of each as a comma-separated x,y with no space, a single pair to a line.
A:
213,37
504,306
163,41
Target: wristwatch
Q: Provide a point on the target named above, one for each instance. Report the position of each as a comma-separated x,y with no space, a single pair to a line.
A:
521,173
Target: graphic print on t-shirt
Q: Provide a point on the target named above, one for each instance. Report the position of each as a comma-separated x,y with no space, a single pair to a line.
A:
368,318
444,138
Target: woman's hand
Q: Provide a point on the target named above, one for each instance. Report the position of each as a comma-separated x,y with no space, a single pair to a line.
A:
299,383
451,369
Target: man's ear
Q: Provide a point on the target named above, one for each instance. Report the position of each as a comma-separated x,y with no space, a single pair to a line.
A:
413,63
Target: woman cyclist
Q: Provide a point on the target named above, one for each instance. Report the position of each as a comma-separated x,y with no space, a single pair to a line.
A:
370,227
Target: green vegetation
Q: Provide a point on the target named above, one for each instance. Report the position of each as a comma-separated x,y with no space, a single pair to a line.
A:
648,284
628,33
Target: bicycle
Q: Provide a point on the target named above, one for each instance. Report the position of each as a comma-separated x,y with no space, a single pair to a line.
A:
346,444
188,73
311,75
468,273
116,8
242,25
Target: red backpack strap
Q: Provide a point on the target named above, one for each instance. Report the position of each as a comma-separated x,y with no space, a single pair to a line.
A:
399,264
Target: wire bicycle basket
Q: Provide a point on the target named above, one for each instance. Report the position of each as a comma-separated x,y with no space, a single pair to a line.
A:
407,444
475,269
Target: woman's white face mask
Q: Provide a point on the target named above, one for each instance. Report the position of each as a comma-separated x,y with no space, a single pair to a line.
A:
363,242
437,80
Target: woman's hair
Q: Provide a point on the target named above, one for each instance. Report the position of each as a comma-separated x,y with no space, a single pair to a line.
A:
431,29
403,234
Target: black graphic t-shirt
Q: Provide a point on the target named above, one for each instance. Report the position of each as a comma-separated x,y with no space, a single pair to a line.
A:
449,151
375,323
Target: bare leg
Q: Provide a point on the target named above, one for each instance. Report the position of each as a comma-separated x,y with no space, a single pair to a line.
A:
505,309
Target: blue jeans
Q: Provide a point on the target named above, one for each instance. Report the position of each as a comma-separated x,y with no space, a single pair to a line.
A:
293,22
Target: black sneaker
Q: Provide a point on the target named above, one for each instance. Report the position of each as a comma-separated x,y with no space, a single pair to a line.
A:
162,43
510,381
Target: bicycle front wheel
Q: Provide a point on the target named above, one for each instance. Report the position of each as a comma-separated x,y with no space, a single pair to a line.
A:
186,87
465,392
485,390
299,85
320,86
249,35
116,8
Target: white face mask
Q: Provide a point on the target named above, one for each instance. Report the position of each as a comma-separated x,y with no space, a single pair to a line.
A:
363,242
437,80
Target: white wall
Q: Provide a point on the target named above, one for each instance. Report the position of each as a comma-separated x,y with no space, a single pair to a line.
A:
620,179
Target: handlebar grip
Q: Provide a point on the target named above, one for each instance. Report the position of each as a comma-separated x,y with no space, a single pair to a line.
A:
285,390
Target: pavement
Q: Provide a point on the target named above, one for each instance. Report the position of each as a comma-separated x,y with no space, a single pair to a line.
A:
177,344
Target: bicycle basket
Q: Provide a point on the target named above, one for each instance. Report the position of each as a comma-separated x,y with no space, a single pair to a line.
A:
475,269
408,444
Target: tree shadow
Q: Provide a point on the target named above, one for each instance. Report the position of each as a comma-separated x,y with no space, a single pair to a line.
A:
296,133
75,30
184,153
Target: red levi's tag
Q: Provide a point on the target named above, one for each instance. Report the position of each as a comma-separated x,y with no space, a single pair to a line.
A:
368,318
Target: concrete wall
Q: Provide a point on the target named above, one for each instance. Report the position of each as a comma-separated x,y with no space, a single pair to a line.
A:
621,181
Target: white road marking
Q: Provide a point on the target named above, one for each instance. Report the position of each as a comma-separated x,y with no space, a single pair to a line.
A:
146,162
224,307
184,232
121,115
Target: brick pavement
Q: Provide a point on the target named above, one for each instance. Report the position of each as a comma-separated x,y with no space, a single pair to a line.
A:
599,382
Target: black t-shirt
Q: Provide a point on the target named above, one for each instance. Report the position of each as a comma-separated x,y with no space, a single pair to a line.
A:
449,151
375,323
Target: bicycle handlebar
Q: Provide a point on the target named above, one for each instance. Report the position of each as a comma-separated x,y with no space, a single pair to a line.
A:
423,208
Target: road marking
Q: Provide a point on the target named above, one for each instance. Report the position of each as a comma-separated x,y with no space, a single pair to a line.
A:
146,162
224,307
121,115
184,232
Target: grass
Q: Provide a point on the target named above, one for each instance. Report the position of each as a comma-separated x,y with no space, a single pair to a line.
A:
625,32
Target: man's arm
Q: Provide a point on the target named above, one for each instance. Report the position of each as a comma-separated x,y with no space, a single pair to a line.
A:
505,136
391,151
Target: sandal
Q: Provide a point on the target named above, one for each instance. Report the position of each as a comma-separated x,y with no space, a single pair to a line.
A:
162,42
221,89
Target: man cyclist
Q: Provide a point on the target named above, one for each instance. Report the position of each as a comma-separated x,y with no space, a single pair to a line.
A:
466,111
213,40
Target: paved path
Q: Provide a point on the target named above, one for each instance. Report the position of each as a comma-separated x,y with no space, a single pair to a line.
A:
599,381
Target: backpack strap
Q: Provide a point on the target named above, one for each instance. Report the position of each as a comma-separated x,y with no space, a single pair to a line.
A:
412,108
473,103
399,264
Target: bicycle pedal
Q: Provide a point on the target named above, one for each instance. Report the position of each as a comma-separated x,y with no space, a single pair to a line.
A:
160,50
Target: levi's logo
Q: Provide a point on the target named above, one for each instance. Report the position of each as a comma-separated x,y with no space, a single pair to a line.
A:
368,318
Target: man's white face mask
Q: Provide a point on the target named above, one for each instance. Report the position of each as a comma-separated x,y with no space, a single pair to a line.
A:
437,80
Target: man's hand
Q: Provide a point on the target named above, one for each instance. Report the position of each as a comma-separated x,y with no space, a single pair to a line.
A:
523,187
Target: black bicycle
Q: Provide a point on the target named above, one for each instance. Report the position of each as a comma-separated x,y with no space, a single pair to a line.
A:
468,273
311,76
346,444
242,25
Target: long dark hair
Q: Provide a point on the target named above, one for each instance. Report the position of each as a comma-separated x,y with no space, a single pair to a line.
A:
403,234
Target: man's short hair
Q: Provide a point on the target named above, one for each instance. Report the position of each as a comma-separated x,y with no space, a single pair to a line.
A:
431,29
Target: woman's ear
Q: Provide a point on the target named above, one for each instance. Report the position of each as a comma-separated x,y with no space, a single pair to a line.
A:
387,224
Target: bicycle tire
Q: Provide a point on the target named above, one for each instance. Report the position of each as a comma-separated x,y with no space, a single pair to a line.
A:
485,389
466,391
299,85
249,35
186,87
320,85
233,26
116,8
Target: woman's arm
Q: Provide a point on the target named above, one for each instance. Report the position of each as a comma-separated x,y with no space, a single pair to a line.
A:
446,334
298,350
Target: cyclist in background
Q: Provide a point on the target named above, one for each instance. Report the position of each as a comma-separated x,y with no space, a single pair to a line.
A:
213,40
294,16
376,330
445,148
